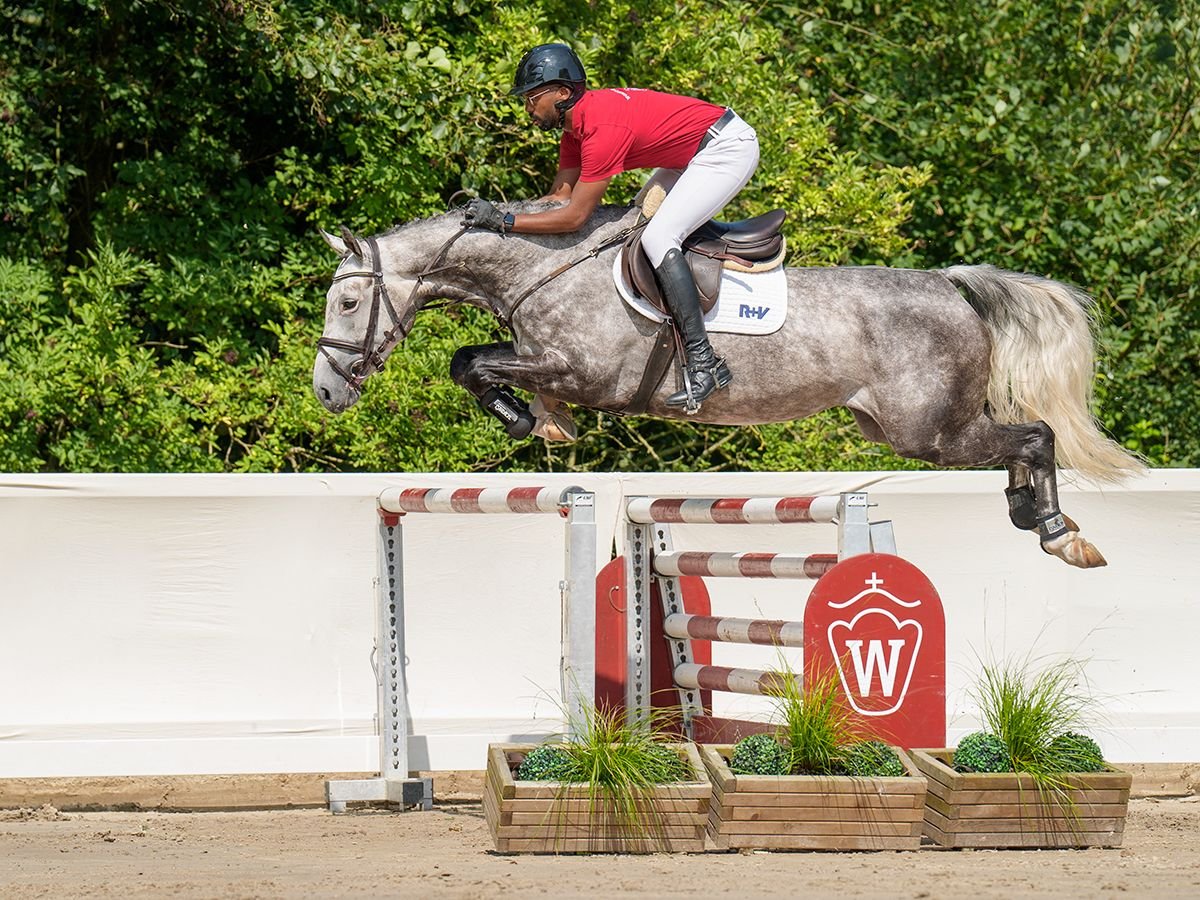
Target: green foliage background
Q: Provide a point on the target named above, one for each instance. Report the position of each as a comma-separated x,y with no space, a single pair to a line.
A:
164,168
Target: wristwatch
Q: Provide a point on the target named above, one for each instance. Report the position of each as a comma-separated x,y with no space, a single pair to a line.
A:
509,221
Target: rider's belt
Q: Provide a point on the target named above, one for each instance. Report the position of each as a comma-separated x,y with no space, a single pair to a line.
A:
715,128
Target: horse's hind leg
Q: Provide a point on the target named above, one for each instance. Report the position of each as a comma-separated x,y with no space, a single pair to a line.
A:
1058,533
1021,509
1027,451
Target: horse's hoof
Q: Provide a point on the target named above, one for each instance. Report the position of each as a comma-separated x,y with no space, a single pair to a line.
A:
556,427
553,423
1075,550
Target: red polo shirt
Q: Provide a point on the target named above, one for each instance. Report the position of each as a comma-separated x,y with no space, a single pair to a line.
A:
617,129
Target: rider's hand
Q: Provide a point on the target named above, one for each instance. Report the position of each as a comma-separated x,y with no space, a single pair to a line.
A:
482,214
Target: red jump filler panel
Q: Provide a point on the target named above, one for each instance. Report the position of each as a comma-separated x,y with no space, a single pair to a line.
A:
876,623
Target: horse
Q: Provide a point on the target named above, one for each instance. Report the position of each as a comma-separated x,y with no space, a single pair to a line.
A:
965,366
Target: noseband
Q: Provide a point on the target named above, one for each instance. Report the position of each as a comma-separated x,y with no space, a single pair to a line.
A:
370,358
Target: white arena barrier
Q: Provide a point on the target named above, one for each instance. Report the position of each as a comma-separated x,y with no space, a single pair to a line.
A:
223,624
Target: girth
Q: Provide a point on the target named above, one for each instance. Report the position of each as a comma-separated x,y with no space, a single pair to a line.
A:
707,250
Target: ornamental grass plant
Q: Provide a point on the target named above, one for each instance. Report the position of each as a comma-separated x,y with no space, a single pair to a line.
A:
815,722
624,767
816,734
1033,717
618,756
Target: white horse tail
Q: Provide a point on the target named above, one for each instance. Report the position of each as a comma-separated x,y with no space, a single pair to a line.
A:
1043,363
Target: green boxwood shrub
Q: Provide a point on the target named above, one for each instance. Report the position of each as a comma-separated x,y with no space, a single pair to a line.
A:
872,759
669,766
982,752
545,763
1075,752
759,754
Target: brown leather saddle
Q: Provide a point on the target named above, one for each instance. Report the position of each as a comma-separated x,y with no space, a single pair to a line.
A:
707,250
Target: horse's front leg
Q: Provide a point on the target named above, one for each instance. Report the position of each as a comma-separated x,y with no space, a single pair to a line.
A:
486,370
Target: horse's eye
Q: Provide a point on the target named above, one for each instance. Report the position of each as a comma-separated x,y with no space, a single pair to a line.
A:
349,306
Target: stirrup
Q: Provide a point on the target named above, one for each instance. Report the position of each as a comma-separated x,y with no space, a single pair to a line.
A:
698,385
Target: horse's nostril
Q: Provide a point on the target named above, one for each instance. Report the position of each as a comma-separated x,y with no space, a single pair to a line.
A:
325,395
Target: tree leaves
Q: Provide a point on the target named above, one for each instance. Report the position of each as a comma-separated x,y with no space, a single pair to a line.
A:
164,170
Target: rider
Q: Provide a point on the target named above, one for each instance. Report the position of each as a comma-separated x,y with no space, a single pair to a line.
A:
608,131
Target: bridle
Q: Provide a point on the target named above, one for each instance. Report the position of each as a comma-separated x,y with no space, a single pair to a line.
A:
372,358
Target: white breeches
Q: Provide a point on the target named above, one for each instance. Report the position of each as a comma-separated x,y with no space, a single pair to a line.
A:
711,180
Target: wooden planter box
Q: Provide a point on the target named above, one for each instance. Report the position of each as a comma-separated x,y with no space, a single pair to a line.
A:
813,812
1006,810
552,817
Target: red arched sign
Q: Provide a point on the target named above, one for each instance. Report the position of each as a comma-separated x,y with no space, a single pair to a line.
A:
875,623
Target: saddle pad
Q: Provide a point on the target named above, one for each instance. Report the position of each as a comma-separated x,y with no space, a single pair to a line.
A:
749,302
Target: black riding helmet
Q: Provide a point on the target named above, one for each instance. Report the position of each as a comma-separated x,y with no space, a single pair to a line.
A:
551,64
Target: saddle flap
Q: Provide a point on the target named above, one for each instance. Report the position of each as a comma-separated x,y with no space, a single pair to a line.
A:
707,250
639,274
750,302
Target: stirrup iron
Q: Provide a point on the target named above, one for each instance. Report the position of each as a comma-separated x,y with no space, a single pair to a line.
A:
699,383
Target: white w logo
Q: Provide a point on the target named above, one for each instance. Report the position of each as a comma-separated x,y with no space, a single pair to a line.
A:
865,673
893,666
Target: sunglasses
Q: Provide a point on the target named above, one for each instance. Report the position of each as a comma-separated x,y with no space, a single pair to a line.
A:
532,97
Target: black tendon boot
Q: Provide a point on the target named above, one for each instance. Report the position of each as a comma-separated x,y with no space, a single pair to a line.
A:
512,412
704,372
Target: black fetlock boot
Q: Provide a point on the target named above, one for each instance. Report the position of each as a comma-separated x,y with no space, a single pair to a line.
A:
704,373
1022,508
512,412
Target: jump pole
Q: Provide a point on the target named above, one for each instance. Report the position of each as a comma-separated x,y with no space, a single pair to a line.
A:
576,591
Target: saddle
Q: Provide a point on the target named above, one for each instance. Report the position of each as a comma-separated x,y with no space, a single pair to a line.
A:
746,246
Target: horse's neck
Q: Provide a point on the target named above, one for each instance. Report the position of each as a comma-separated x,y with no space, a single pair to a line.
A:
490,271
516,266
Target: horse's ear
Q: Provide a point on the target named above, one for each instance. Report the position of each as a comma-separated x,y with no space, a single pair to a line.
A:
338,245
352,242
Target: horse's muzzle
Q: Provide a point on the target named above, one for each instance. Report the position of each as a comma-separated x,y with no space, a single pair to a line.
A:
336,394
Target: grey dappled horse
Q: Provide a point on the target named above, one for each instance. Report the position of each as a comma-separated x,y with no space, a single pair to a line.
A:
964,366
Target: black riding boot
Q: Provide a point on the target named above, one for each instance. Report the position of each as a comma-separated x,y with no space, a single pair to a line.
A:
704,372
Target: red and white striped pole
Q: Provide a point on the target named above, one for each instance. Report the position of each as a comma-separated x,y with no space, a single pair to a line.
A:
398,501
733,510
768,632
736,681
708,564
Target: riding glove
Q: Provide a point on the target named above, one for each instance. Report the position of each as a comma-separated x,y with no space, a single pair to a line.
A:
482,214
